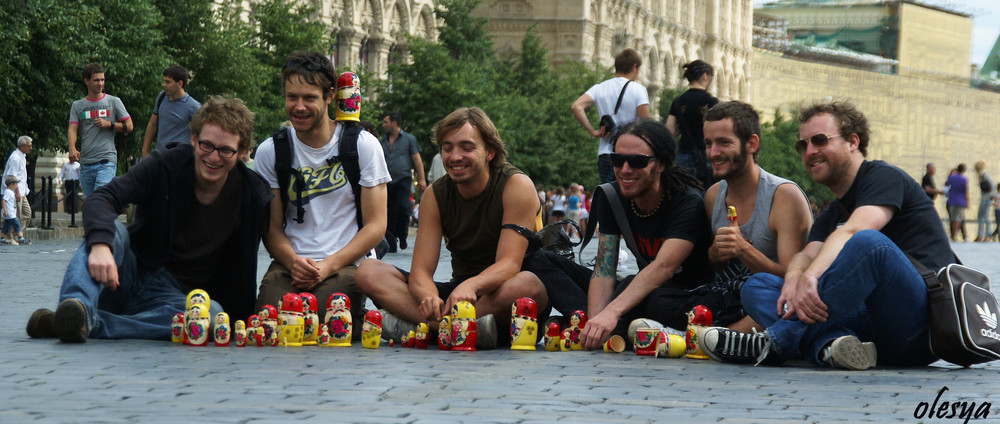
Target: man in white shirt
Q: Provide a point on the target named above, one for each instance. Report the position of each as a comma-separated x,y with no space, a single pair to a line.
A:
634,104
17,166
320,252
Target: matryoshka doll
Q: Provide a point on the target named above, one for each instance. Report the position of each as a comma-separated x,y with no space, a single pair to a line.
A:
323,339
198,325
177,328
338,319
553,337
222,334
291,323
699,318
310,318
371,331
463,326
577,320
194,297
253,323
444,333
240,333
524,324
421,336
269,322
348,98
409,339
670,345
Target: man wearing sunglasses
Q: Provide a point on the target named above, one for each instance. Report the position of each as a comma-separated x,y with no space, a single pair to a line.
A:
851,298
772,214
665,210
200,214
317,248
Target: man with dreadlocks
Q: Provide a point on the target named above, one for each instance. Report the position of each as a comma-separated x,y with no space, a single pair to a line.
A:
665,210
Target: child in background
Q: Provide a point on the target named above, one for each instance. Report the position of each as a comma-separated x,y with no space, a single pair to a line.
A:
11,225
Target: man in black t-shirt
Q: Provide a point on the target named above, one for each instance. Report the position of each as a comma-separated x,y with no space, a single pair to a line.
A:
851,297
664,207
927,183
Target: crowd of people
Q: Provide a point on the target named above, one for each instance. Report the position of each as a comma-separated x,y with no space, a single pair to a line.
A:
707,225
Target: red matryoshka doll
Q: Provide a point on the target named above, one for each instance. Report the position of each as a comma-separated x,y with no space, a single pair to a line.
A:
240,333
348,98
310,318
699,318
177,328
338,319
463,326
524,324
577,320
291,321
222,330
421,336
323,339
553,337
371,331
253,323
269,322
645,341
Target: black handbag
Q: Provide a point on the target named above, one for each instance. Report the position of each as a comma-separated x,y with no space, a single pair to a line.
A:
552,237
963,314
607,121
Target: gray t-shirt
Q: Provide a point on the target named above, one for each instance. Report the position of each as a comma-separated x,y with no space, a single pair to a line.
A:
400,157
757,230
172,119
97,144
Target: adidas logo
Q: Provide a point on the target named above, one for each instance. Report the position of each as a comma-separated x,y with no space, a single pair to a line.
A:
989,318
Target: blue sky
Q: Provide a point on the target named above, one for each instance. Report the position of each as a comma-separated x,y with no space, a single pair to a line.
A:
985,18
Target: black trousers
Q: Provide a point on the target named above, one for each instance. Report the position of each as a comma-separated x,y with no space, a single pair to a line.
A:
399,210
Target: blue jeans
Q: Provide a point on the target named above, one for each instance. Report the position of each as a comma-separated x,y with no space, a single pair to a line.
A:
698,163
871,291
140,308
95,175
984,215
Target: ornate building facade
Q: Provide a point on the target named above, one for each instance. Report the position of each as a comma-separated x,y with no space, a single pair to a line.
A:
370,33
666,33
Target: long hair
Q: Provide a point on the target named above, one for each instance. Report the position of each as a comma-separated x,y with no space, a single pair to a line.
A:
674,178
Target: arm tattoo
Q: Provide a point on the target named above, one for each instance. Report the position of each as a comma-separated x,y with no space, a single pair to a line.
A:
607,257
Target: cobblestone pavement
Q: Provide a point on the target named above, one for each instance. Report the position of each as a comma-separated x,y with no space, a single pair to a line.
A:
143,381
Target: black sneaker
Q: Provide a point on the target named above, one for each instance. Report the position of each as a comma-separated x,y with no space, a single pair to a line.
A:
70,321
23,241
40,325
402,243
725,345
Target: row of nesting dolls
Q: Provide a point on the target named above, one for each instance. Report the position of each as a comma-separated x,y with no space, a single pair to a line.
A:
296,322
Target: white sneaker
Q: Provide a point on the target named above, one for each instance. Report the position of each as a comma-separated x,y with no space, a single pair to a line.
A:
849,353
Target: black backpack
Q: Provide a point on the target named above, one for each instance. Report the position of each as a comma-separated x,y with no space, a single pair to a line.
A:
348,158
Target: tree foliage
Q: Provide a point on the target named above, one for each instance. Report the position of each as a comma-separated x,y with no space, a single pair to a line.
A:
525,97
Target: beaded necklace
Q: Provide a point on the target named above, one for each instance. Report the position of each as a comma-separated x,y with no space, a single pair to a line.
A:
638,213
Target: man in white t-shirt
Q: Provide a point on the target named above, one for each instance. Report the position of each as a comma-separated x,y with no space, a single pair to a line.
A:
320,253
634,104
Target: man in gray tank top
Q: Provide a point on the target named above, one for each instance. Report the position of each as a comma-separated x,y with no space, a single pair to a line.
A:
772,214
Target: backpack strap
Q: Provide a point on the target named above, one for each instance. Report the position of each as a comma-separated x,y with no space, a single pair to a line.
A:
348,158
607,190
287,176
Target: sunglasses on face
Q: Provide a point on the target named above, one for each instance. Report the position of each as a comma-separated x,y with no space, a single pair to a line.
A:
634,161
224,152
818,141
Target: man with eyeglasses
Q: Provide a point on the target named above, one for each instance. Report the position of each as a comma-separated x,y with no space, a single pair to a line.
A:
851,298
772,214
664,207
200,214
317,248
